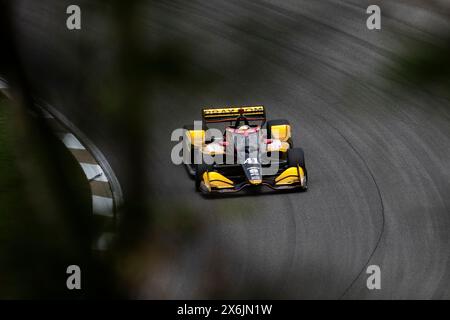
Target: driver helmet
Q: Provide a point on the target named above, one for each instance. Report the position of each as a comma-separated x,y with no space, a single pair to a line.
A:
244,127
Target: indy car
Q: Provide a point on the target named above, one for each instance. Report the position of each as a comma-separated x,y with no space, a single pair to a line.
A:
246,152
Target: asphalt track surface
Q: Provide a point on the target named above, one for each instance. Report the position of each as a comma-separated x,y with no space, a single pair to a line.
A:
377,155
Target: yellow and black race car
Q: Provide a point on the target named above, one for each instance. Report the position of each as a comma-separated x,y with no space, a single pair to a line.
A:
247,152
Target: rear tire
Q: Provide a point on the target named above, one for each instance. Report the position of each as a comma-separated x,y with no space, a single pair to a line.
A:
271,123
278,122
192,149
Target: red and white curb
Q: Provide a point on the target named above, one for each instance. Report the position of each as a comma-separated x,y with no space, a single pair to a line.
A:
105,188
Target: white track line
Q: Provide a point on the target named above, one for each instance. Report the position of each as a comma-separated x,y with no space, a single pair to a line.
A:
93,170
103,206
71,141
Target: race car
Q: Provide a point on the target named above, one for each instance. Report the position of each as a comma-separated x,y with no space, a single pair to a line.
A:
249,152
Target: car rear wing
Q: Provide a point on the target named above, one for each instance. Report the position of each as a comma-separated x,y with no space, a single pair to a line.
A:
252,113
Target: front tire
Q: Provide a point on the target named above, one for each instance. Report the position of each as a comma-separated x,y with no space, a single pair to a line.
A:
296,156
201,169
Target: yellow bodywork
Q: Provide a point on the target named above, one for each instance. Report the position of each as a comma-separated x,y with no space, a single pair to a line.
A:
281,132
196,137
290,176
216,180
281,147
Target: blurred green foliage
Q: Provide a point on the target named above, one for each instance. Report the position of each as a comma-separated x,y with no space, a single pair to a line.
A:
45,212
11,191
